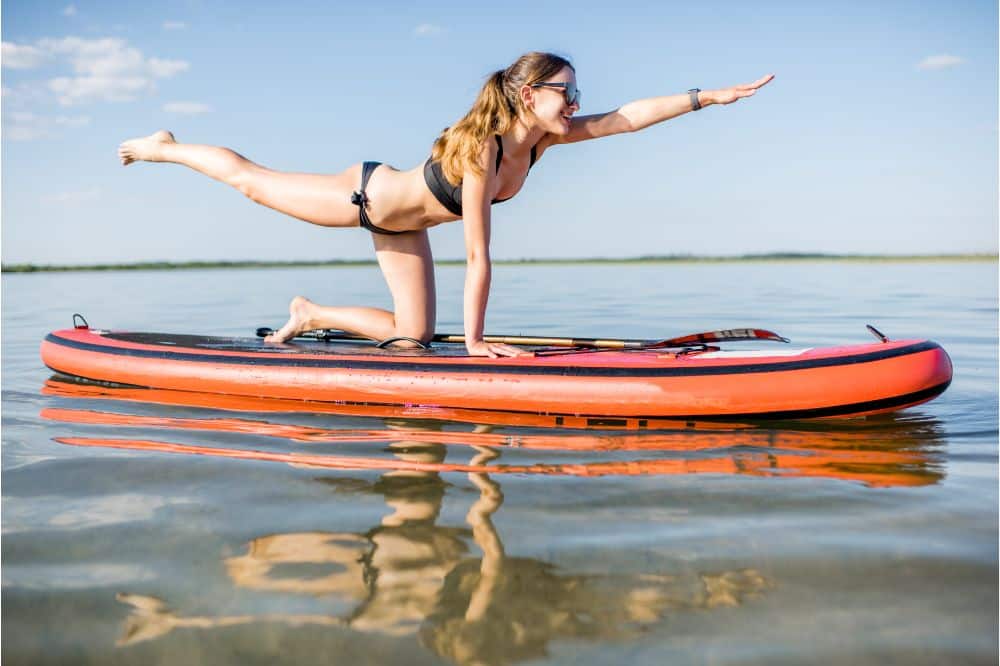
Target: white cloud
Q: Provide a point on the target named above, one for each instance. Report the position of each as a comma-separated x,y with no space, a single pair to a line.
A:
21,56
427,30
23,94
69,11
27,126
86,576
89,513
174,25
73,198
187,108
72,121
162,69
23,126
76,90
105,69
942,61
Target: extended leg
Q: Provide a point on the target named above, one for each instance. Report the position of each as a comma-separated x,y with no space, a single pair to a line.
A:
319,199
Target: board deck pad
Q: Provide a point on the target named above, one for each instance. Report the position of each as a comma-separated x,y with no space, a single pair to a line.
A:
295,346
363,348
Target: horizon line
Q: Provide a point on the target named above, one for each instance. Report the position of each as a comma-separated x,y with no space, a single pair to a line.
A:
334,263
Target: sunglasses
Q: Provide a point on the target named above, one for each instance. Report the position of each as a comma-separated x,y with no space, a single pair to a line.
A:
570,91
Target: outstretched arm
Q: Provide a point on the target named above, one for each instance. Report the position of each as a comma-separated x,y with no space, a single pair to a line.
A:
642,113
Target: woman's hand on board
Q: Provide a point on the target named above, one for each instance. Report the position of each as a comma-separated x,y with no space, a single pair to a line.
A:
730,95
494,350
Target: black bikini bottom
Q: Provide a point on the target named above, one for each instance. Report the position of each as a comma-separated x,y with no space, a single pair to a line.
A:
359,199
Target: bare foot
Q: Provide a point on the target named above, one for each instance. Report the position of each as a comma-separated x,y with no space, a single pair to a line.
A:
144,149
299,320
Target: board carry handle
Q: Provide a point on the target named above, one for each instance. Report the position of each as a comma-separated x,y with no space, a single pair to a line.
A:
723,335
402,338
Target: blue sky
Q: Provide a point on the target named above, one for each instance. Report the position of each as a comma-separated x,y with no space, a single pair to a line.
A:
879,134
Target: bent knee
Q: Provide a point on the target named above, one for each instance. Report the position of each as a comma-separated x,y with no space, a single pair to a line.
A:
422,339
423,335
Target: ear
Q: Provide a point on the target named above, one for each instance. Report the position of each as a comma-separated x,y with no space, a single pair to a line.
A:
527,95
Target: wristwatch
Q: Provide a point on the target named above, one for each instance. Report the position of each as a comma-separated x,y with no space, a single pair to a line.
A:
695,104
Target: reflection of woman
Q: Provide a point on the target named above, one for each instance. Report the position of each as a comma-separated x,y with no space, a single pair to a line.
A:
410,553
393,572
503,610
409,576
532,604
521,111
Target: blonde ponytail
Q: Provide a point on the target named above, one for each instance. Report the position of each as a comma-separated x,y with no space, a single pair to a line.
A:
494,112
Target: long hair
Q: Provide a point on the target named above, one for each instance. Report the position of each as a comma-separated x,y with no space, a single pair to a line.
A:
494,112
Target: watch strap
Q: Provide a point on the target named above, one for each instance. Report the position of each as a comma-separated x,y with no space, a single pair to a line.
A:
693,93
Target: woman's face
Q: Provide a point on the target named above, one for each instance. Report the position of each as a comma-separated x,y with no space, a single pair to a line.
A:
549,104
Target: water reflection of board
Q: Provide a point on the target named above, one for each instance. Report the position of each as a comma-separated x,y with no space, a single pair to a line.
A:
634,384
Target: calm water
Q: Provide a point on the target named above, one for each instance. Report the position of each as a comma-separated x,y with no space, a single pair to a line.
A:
863,542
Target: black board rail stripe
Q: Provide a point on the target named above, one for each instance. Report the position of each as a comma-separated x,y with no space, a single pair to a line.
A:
291,361
843,410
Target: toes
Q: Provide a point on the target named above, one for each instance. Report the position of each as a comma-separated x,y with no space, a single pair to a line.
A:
281,335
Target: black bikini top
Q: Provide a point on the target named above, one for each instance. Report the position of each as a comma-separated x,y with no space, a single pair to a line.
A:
450,195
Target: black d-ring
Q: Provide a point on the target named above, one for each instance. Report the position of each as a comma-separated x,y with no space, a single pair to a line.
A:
388,341
84,323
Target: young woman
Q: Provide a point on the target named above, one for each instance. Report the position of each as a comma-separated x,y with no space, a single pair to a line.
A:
483,159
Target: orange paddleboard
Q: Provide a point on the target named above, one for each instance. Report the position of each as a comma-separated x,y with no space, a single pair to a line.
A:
708,384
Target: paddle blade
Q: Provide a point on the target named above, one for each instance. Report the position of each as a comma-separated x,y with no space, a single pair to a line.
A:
725,335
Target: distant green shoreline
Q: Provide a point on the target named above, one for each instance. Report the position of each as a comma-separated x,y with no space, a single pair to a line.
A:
693,259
